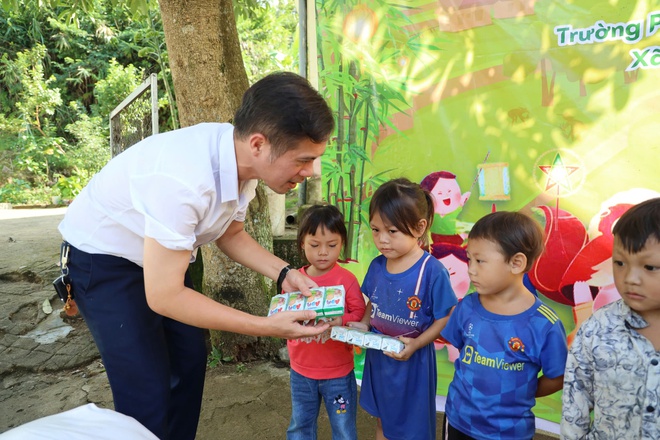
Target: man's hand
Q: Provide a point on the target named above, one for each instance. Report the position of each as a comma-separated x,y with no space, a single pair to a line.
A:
296,281
289,325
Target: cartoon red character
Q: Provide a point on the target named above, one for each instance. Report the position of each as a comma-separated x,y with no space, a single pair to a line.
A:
575,268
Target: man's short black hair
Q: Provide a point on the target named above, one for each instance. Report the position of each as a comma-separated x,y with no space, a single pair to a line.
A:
286,109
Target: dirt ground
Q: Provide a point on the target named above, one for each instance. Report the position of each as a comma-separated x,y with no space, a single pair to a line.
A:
49,364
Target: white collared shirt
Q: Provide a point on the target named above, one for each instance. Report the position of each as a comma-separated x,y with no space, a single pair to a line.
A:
180,188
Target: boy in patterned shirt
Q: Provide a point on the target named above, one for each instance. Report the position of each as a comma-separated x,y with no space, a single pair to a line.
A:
505,335
613,367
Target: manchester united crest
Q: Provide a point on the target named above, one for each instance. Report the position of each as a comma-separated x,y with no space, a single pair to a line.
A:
414,303
516,344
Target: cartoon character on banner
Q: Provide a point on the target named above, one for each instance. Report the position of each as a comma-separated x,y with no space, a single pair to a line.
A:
448,204
455,260
575,269
448,235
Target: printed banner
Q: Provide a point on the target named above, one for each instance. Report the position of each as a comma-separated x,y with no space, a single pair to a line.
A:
550,108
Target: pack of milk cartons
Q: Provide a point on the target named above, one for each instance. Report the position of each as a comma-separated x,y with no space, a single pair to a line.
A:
366,339
327,302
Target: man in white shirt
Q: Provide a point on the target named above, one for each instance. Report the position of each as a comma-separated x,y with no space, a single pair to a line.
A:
137,225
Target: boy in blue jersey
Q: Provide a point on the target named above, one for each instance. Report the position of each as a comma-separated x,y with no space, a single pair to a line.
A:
505,335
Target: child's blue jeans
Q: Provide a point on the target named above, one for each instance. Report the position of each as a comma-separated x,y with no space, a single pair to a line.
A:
340,397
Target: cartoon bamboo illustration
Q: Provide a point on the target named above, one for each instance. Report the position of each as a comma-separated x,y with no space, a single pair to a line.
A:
363,61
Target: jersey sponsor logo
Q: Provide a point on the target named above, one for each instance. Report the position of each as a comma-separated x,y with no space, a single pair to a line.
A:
414,303
375,312
472,356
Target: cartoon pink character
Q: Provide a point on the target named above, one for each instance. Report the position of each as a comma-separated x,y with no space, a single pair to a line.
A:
448,204
455,260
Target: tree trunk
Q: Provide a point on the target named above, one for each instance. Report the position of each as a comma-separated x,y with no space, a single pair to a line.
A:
209,81
205,57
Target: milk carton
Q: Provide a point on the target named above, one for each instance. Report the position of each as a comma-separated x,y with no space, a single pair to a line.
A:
296,302
339,333
334,301
391,344
278,303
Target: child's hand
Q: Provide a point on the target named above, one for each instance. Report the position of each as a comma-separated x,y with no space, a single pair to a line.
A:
358,325
335,321
410,346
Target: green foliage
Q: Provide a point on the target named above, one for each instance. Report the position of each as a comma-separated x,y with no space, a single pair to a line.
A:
269,38
216,357
37,155
66,64
36,100
70,187
34,153
52,54
89,150
18,191
12,191
79,44
118,84
30,148
152,40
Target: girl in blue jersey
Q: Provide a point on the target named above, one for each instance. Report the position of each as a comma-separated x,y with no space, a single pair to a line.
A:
505,335
410,297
